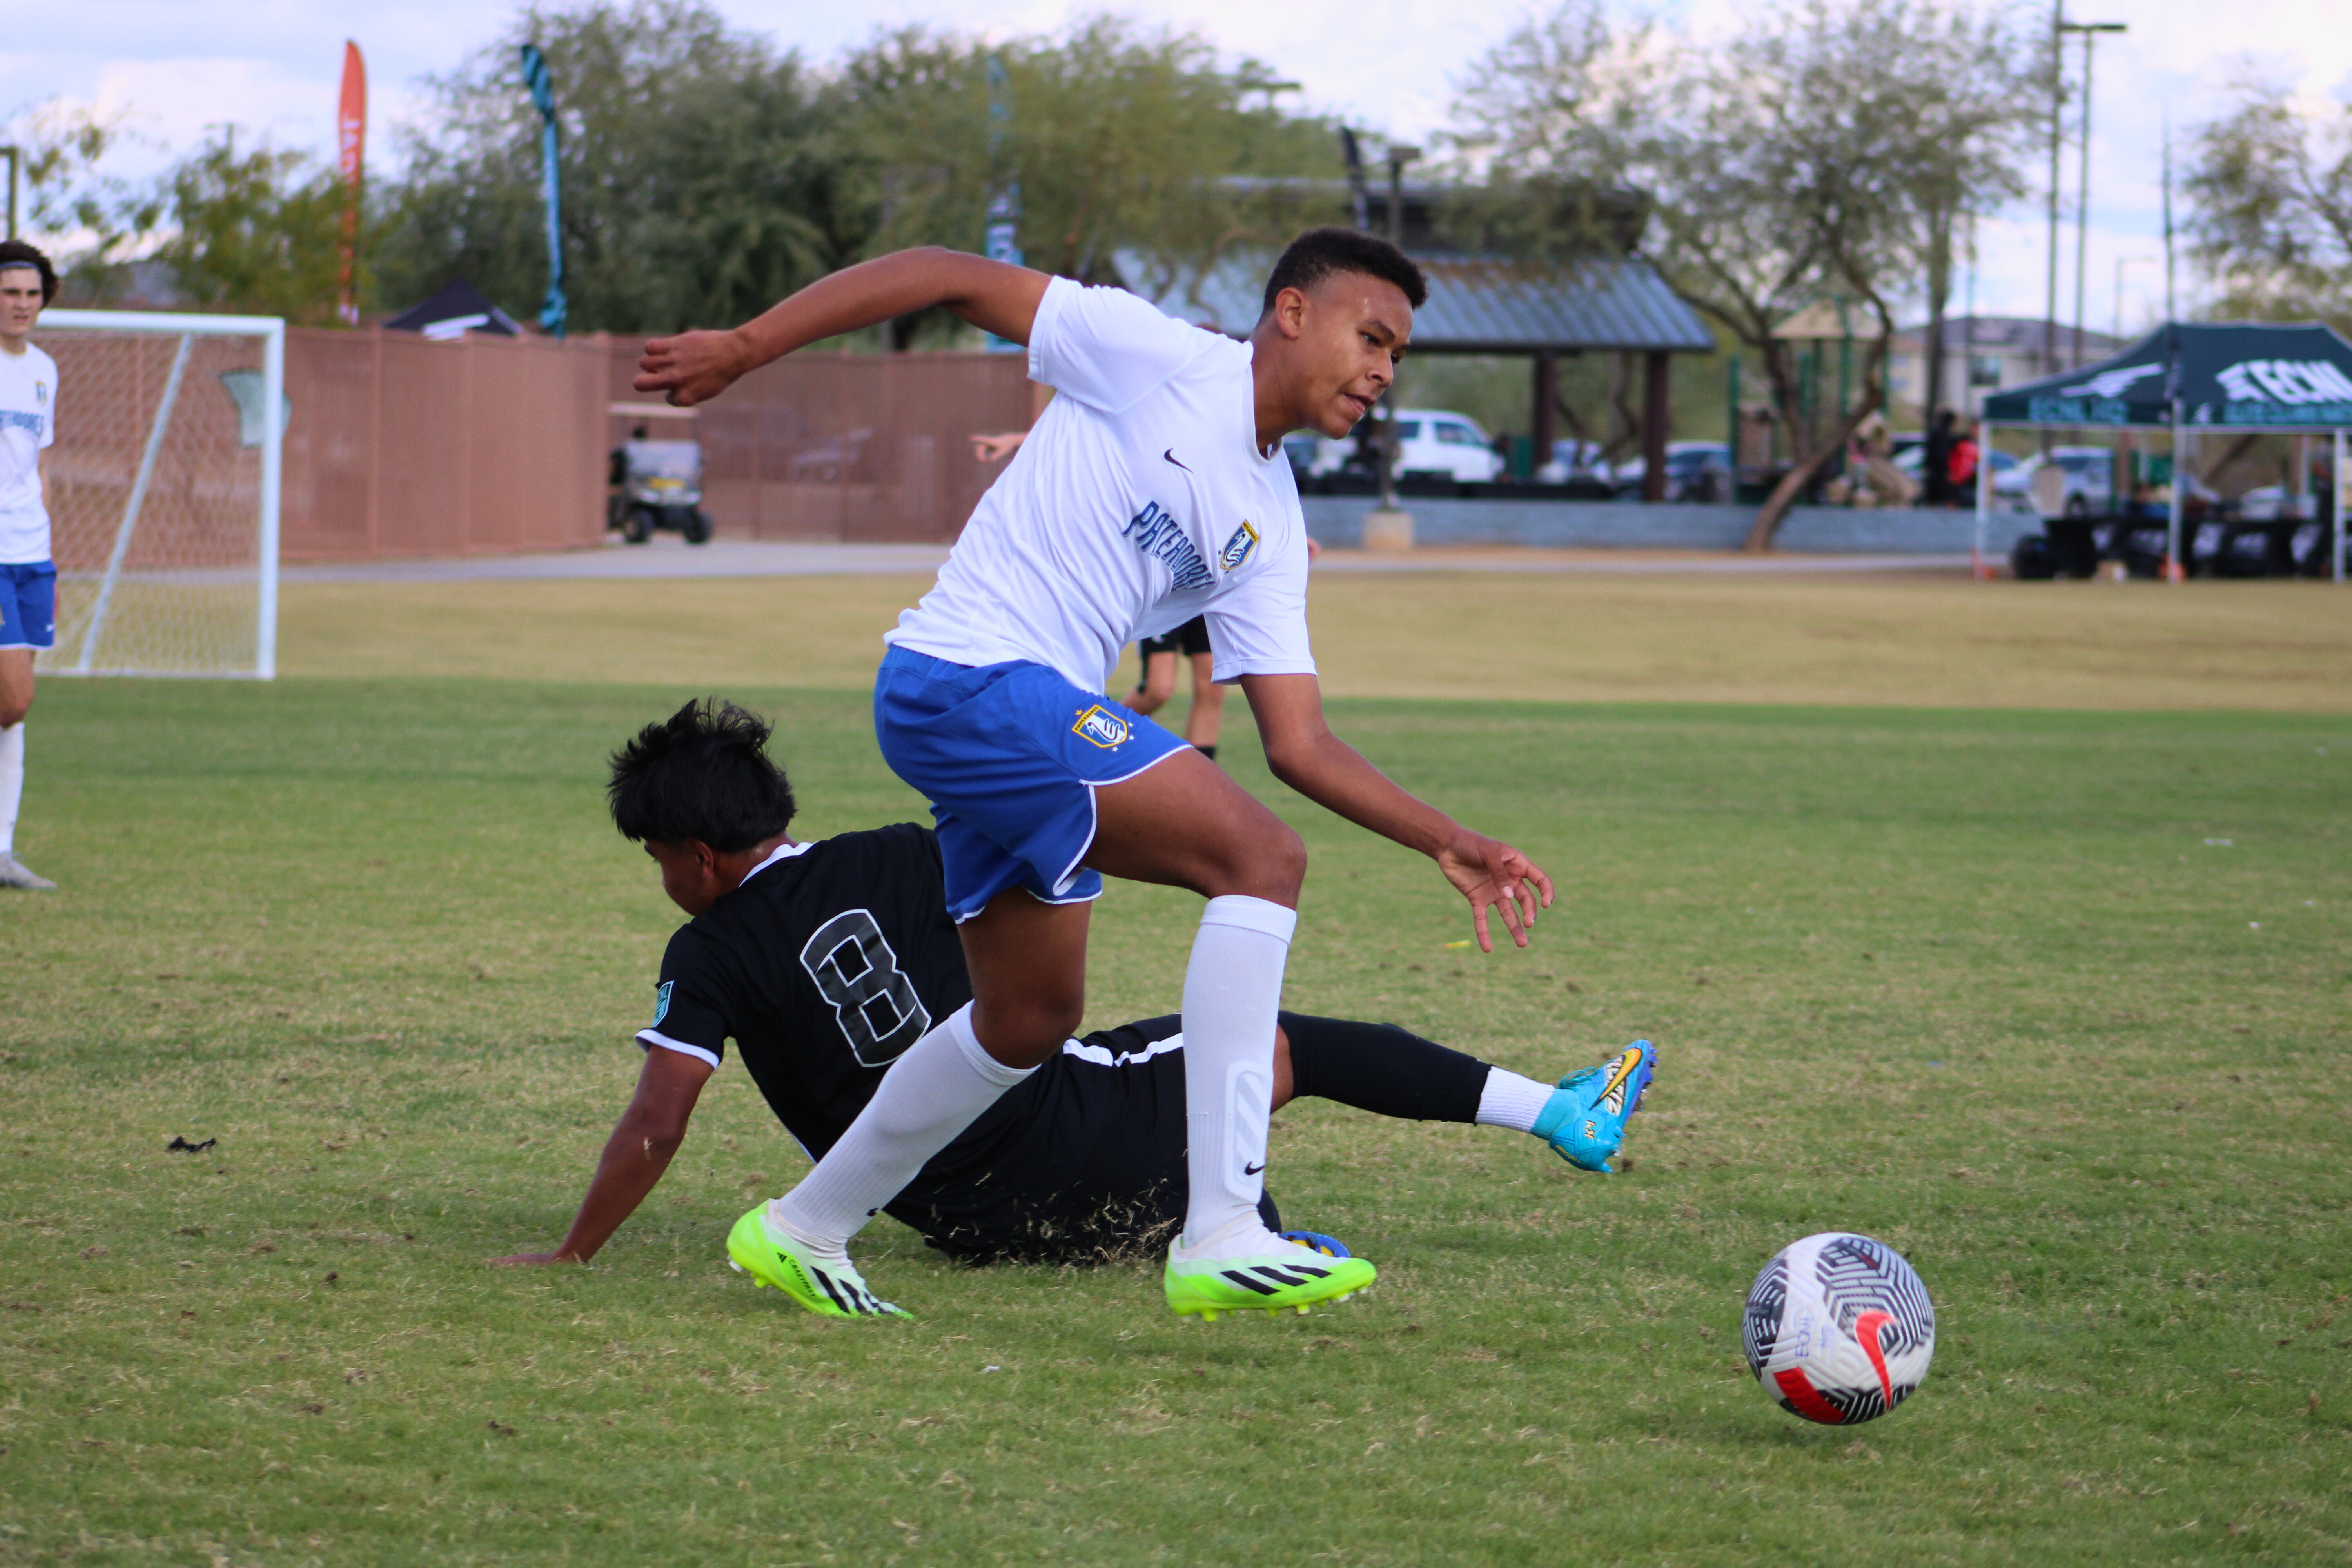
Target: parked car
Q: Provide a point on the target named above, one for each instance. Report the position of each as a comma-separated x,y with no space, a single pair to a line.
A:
2087,485
1695,470
1575,461
1433,443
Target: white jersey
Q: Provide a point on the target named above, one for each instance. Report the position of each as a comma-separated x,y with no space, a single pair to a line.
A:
1139,501
28,422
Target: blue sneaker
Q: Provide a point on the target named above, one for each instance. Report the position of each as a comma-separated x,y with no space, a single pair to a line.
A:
1328,1246
1584,1120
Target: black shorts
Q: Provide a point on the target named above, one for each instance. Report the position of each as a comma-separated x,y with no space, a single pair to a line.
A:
1096,1173
1190,638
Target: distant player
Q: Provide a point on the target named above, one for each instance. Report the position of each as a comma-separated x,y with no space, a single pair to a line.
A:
1153,489
1159,656
824,962
29,580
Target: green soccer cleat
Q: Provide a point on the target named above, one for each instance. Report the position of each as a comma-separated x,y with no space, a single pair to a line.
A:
1290,1278
827,1287
1584,1120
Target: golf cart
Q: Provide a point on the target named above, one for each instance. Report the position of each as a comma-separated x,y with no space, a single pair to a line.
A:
657,485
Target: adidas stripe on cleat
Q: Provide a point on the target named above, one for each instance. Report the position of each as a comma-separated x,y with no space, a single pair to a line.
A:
1584,1120
830,1288
1292,1280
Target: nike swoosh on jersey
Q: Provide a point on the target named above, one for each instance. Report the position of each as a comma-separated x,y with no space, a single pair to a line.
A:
1251,1170
1171,456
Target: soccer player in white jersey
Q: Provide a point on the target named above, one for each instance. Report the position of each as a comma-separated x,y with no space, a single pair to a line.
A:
29,580
1153,489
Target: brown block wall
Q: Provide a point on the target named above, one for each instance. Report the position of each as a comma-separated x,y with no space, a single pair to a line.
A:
856,447
402,447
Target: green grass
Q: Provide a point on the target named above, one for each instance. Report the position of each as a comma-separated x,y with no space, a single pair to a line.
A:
1978,983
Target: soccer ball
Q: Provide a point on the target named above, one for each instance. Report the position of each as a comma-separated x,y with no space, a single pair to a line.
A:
1839,1329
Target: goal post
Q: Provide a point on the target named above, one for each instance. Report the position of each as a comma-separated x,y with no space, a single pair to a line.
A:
163,490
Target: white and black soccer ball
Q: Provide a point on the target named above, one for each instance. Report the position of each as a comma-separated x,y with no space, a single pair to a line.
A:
1839,1329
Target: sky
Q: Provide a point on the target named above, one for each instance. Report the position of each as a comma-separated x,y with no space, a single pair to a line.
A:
180,67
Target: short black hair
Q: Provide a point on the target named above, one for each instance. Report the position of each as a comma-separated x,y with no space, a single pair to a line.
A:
16,252
703,773
1320,252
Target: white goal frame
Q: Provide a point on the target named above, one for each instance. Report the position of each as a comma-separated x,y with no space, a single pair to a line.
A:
271,330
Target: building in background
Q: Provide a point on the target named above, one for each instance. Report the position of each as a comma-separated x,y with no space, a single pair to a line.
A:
1982,354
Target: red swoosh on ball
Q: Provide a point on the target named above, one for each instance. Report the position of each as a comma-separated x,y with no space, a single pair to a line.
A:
1867,1329
1807,1399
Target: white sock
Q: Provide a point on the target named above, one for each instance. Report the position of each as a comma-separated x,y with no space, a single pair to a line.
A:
932,1093
1232,989
1508,1101
12,783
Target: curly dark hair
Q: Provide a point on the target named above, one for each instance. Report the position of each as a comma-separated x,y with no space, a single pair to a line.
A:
16,252
701,774
1320,252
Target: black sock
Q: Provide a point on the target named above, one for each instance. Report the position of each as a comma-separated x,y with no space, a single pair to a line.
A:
1381,1069
1208,752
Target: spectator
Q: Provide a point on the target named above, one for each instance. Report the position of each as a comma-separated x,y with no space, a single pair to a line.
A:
1960,467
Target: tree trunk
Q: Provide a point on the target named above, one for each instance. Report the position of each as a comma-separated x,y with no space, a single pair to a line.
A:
1931,399
1802,472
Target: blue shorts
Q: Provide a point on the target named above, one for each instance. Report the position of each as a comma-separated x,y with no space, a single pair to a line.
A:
1010,756
28,606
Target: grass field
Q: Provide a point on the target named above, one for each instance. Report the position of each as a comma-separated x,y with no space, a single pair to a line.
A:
2055,1002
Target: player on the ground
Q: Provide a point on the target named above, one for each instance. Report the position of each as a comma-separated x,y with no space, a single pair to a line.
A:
823,961
1154,488
29,580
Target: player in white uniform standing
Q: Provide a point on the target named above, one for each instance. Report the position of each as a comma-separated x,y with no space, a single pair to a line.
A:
1153,489
29,581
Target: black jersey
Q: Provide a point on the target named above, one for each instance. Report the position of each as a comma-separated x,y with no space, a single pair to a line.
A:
834,957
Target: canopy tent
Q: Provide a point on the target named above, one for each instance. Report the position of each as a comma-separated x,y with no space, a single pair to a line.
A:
2291,378
456,308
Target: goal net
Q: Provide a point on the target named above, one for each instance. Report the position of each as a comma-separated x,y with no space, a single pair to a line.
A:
162,492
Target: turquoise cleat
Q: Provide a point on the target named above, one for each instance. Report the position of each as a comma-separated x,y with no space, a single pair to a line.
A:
1584,1120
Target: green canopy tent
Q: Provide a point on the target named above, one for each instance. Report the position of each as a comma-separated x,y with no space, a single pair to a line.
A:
2291,378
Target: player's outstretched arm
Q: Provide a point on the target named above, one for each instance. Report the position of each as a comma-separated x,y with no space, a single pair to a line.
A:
694,367
634,1157
1305,755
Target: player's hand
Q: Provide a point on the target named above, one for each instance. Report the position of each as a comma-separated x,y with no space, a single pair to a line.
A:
1491,874
692,367
996,449
528,1260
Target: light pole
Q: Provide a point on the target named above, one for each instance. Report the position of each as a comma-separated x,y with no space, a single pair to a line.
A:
2090,31
1398,158
2057,142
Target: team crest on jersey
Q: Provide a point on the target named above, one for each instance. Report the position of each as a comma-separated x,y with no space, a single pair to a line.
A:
1101,726
1237,548
41,392
661,1001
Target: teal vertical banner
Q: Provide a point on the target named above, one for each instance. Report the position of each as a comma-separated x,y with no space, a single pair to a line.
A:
552,314
1002,241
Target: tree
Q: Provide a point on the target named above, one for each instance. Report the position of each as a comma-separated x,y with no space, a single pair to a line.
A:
702,180
93,219
259,233
2270,196
1816,155
1119,139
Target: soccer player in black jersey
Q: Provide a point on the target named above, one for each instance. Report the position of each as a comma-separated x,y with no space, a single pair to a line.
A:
823,961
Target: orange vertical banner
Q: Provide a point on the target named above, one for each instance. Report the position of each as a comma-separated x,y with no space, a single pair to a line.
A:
350,146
